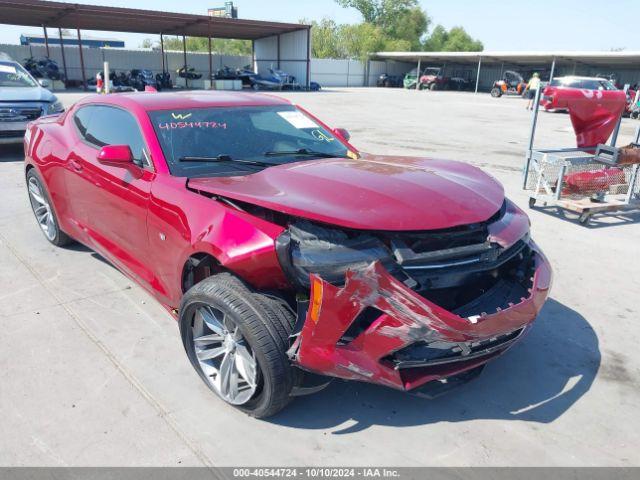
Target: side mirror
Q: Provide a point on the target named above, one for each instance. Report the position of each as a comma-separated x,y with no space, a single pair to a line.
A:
341,132
116,155
44,83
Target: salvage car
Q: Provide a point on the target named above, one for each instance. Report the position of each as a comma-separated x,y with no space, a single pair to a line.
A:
287,256
556,94
22,99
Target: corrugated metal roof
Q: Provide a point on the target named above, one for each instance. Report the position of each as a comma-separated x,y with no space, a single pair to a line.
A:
594,58
37,13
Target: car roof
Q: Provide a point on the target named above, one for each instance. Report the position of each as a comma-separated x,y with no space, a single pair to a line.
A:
577,77
183,100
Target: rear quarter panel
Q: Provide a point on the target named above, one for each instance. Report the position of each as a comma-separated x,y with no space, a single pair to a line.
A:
48,146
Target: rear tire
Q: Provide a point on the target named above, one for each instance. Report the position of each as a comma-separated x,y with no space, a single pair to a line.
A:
496,92
262,329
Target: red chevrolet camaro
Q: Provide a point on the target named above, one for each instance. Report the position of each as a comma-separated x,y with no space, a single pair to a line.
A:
287,256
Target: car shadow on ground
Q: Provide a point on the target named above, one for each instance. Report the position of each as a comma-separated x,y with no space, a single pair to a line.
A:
537,381
11,153
599,220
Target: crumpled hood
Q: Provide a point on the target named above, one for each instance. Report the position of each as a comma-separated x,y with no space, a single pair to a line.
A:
372,193
25,94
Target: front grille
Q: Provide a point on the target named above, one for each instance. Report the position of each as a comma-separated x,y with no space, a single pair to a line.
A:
422,354
11,133
19,114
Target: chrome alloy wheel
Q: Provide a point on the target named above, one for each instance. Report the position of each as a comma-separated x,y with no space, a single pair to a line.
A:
224,355
42,209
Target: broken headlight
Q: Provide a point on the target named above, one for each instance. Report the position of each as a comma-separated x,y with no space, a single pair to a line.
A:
305,248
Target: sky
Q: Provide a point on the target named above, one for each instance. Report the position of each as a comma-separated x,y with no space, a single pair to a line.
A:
501,25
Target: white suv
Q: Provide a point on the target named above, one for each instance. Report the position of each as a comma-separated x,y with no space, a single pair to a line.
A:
22,99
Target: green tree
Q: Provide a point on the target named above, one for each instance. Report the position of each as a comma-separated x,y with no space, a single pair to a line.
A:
454,40
379,12
398,19
325,39
409,25
147,43
361,40
218,45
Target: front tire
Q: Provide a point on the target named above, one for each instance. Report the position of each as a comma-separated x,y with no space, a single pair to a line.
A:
43,211
237,342
496,92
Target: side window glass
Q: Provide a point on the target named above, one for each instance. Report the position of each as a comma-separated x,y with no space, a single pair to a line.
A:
113,126
81,119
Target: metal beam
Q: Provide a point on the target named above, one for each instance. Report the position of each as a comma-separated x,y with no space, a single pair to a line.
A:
46,40
184,52
532,136
253,57
553,69
308,57
418,75
162,53
84,76
64,61
210,63
278,53
478,75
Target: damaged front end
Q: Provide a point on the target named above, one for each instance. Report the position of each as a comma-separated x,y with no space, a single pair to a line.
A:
403,309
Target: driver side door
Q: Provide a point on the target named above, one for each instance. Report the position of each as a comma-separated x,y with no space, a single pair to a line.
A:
110,202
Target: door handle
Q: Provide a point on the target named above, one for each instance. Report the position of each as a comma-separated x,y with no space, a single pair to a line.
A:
76,166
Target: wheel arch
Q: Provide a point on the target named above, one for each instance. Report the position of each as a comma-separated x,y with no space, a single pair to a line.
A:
197,267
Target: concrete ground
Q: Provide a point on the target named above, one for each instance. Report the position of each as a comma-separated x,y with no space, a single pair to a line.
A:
92,370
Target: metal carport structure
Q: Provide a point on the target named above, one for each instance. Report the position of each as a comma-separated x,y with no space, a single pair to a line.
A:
288,37
629,60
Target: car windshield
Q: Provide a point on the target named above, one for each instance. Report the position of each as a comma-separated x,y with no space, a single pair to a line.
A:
13,75
225,141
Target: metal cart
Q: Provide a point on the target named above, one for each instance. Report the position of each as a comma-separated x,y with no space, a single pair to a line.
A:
580,180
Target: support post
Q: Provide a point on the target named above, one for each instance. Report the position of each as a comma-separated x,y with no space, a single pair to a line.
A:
162,52
254,64
278,53
348,71
418,75
46,40
553,69
64,61
532,134
106,77
84,77
308,58
184,56
478,74
210,62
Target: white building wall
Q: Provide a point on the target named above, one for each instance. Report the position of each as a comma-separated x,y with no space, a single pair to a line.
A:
291,57
327,72
124,60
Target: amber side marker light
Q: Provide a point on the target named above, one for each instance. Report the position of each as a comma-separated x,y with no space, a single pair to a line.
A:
316,299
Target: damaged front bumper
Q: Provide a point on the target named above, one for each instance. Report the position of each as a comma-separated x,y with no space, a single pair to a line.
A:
405,340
